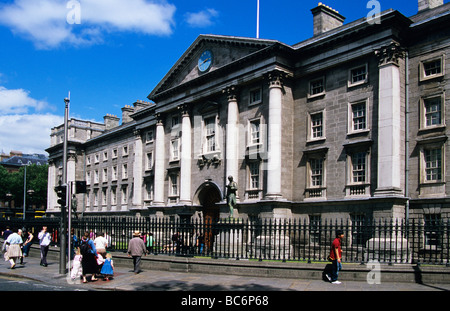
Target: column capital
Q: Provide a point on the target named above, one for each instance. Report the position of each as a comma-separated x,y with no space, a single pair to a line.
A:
185,110
137,133
390,54
231,92
159,118
276,78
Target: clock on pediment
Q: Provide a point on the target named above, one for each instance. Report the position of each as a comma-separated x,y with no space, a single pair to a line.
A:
205,61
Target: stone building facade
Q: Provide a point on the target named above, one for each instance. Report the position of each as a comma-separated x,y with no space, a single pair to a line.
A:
348,124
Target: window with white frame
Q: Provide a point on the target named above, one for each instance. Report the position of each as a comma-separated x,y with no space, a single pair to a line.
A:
149,136
210,134
113,196
358,75
432,164
173,185
114,173
88,177
96,158
255,132
96,177
95,197
88,198
432,111
105,175
316,172
104,197
88,160
175,149
105,156
432,68
316,128
149,191
359,166
124,194
316,87
114,153
124,171
358,117
255,96
254,175
125,151
149,161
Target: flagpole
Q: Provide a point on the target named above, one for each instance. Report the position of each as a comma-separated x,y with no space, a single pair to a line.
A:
257,19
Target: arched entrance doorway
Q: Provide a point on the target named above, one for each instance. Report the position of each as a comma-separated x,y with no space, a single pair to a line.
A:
207,195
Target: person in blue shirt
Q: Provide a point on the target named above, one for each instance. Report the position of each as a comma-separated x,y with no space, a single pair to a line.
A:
14,252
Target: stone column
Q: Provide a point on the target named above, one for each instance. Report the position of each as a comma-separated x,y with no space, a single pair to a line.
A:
159,164
232,133
137,171
186,156
389,121
274,139
51,194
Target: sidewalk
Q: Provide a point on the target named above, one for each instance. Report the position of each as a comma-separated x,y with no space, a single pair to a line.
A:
152,280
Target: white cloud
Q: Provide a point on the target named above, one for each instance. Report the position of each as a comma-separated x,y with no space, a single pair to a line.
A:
50,23
24,124
202,19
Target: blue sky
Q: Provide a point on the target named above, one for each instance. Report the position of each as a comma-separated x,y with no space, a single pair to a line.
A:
110,53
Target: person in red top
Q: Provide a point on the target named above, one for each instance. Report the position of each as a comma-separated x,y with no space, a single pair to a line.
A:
336,257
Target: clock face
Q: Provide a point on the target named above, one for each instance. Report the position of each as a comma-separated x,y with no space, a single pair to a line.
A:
205,61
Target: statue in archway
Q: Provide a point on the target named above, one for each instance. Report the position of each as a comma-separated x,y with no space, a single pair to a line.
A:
231,194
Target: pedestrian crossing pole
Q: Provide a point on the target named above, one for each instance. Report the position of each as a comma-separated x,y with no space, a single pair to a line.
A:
63,221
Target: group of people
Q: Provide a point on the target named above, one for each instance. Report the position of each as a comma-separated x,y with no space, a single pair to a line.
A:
91,258
16,245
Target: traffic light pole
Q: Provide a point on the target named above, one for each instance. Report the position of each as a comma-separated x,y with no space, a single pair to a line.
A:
63,225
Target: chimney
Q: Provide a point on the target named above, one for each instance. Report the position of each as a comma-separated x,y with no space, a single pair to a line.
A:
126,114
429,4
140,104
111,121
326,18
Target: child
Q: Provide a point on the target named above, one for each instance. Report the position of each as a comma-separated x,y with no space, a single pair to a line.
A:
77,269
108,267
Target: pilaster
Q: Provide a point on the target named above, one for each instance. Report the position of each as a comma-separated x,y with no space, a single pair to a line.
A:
159,163
137,170
389,121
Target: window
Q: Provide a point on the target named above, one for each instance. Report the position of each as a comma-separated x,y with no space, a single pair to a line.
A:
173,189
149,191
114,153
358,172
104,196
358,75
255,96
88,160
105,156
316,169
149,162
113,196
210,134
95,197
105,175
316,126
255,132
124,171
358,167
432,111
314,227
175,150
114,173
316,87
124,195
433,164
358,116
432,68
149,136
124,151
96,177
88,178
433,227
96,158
254,173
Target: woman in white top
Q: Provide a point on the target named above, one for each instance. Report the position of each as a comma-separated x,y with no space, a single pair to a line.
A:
101,244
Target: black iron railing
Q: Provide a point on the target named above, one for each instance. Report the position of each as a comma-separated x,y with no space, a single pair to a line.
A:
386,241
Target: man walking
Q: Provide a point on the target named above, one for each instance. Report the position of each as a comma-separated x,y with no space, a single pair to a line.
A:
136,248
44,241
336,257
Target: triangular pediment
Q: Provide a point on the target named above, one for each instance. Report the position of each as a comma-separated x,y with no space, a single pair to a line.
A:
224,51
